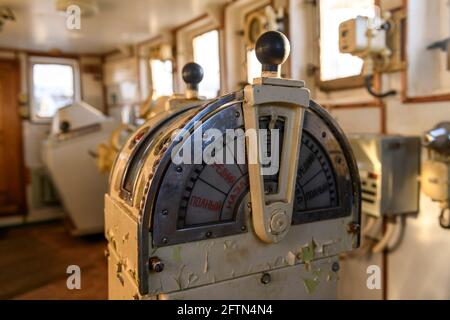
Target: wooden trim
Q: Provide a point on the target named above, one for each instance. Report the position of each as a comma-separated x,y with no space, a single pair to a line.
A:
354,105
22,205
383,118
361,104
104,89
404,77
149,41
188,23
52,54
353,82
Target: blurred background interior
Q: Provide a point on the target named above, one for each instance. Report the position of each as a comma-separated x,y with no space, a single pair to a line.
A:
120,62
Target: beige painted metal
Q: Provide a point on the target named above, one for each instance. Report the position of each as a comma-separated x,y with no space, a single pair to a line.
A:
66,153
293,282
272,214
209,262
302,266
164,106
204,263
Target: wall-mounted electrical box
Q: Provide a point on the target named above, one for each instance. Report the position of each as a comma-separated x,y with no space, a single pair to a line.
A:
377,41
389,167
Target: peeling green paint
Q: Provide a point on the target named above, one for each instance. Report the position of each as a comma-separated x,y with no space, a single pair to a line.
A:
311,284
317,273
308,252
176,254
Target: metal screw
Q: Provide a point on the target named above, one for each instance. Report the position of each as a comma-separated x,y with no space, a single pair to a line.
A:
179,169
209,234
244,228
335,267
165,240
266,278
165,212
237,114
353,227
156,264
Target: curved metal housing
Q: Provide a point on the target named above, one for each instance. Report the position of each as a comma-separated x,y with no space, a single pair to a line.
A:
145,221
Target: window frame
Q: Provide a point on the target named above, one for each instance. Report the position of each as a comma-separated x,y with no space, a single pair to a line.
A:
42,60
151,76
183,36
201,31
345,83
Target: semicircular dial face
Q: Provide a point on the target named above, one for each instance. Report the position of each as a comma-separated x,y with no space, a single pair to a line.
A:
316,185
215,197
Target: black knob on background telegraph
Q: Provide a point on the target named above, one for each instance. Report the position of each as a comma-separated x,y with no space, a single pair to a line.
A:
272,50
192,74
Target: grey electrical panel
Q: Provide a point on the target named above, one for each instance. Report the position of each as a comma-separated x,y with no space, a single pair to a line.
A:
389,166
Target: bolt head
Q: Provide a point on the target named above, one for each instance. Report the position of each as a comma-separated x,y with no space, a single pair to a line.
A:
279,223
335,267
156,265
266,278
353,227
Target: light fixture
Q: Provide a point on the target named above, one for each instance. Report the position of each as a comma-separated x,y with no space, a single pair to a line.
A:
6,14
88,8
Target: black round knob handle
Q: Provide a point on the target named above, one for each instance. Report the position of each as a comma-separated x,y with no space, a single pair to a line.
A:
192,73
272,50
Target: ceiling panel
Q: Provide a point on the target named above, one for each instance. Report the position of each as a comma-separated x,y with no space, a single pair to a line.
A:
41,27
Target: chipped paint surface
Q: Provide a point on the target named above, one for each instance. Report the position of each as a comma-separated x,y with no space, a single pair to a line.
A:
215,261
307,252
176,254
291,258
311,284
206,265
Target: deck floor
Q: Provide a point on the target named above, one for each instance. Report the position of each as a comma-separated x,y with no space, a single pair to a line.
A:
34,261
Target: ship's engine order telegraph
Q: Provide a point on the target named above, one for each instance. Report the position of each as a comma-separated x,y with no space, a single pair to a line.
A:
250,196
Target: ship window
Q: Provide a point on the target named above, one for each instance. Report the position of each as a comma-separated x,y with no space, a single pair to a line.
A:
206,53
54,85
162,77
253,66
333,64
